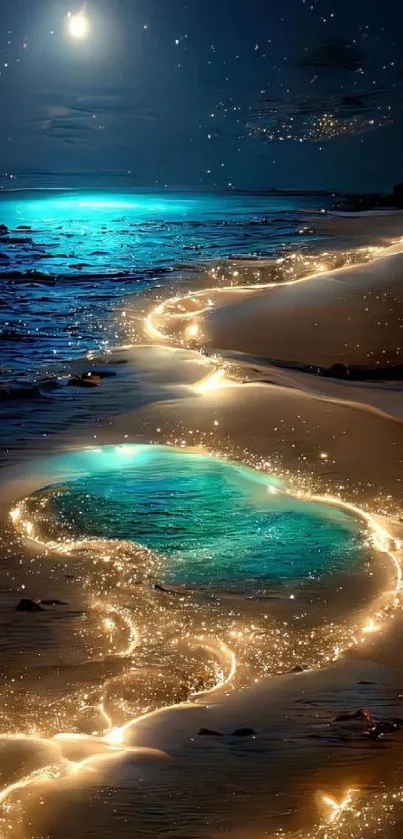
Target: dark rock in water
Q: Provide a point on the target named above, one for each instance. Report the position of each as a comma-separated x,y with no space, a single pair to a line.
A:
363,714
29,606
364,682
339,371
3,229
244,732
53,603
207,732
299,668
24,227
86,380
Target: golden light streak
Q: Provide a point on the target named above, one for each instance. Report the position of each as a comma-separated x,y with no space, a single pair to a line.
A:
370,626
214,381
337,807
297,268
112,741
325,644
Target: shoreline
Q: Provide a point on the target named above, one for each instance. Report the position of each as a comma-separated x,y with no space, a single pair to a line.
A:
185,403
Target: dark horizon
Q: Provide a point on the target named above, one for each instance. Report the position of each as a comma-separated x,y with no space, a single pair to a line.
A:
76,181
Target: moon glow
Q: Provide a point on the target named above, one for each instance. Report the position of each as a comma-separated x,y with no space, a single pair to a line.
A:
78,26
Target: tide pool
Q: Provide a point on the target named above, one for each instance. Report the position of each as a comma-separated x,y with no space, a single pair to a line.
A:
214,522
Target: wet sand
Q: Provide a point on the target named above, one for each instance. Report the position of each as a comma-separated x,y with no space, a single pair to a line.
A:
62,664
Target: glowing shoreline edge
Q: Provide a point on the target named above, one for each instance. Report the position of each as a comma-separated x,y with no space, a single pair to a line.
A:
339,811
333,827
113,739
318,268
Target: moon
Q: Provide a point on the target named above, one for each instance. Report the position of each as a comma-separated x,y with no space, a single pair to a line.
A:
78,25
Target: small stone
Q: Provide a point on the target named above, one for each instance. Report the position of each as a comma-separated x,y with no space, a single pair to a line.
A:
84,381
207,732
362,714
244,732
339,371
26,605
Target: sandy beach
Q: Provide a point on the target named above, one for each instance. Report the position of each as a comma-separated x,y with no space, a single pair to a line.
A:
105,691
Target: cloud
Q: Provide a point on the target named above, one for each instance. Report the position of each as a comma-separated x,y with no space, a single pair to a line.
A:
87,113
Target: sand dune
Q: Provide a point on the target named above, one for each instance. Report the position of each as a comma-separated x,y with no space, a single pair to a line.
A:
352,316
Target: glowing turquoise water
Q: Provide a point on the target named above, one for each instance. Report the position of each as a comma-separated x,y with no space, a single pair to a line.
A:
215,523
71,258
101,232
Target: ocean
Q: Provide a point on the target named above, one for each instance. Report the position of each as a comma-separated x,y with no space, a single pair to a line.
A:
69,259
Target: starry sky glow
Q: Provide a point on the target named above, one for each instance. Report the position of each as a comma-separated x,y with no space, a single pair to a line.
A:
203,93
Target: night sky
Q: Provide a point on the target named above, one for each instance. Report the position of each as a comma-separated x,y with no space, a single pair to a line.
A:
167,92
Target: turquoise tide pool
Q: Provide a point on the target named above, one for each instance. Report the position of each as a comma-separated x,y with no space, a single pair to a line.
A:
215,523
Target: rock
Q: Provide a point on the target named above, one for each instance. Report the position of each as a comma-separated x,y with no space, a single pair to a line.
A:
299,668
244,732
86,380
339,371
26,605
3,229
207,732
24,227
363,714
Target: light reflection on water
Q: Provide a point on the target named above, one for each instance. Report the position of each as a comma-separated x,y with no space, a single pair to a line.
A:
71,257
215,523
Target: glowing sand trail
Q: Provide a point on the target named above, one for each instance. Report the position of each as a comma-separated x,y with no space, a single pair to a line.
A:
231,647
328,645
295,269
349,817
